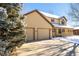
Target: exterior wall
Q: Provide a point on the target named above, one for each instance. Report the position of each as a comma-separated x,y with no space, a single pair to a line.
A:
66,32
35,20
40,25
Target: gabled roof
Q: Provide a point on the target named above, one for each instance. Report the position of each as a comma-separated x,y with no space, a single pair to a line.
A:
52,15
40,15
49,15
63,17
43,14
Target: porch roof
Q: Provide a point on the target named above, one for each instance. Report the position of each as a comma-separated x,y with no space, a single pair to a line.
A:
76,27
62,26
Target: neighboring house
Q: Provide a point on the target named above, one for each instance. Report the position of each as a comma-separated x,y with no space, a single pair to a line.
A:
41,25
76,31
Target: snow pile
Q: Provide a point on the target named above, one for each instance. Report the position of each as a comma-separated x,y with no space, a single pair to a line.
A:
60,38
73,39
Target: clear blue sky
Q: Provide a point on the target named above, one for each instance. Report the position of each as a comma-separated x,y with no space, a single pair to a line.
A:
60,9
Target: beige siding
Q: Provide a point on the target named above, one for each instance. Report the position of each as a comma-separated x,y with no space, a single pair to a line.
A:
68,32
35,20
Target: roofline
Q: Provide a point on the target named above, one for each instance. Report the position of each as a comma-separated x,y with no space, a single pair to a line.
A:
30,12
40,15
63,17
65,28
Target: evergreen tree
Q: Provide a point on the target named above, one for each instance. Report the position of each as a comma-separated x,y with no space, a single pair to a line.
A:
11,28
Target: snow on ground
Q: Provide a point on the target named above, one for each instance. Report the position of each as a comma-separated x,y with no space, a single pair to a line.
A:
73,39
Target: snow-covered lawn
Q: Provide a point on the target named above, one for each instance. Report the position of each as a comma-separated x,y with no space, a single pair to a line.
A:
73,39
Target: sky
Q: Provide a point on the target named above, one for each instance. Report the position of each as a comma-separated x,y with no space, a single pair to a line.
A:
59,9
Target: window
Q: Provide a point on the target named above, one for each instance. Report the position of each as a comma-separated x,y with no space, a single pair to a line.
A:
62,23
59,31
53,30
68,30
52,20
63,30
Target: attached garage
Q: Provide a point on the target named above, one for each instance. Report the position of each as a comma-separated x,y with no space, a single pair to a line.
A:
39,34
38,26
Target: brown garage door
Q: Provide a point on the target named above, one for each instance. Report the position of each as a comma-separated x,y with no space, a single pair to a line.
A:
30,34
43,33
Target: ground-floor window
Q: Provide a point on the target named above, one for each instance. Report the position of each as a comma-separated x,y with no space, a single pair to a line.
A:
59,31
63,30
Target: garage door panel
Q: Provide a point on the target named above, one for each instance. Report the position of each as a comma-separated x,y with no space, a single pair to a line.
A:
43,34
29,34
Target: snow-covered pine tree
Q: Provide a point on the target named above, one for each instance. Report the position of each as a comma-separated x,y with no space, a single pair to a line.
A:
11,29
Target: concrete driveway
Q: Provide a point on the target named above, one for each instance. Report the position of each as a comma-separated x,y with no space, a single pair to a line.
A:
48,48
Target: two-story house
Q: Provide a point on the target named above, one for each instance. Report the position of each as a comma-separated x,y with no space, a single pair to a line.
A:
42,25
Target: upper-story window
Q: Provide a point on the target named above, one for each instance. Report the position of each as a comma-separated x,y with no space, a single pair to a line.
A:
62,22
52,20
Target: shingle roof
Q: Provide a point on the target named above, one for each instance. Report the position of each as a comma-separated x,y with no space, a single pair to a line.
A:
49,15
